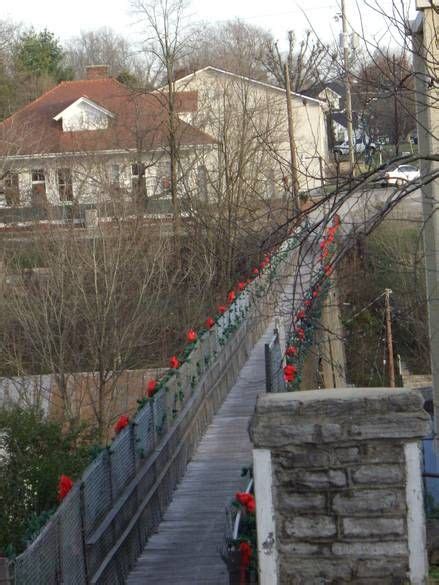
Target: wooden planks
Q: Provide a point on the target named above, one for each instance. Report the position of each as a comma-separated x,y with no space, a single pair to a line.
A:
185,550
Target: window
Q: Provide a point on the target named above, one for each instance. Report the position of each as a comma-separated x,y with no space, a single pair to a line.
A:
38,176
65,187
38,187
115,175
11,189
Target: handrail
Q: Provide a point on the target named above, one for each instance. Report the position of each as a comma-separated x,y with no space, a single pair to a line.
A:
238,515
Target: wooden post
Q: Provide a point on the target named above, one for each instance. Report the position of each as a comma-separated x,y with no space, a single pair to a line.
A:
348,88
389,339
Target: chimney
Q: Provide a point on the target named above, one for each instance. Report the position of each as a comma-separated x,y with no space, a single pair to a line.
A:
96,72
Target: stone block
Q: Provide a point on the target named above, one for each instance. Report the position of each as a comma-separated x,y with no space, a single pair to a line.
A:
310,527
314,571
301,479
370,549
400,426
359,502
342,415
378,474
382,452
301,502
346,455
380,568
303,549
373,527
304,456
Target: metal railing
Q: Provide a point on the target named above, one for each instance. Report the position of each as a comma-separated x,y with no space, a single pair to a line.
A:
100,529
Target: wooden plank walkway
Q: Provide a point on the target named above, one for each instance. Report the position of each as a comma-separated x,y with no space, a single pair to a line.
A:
185,550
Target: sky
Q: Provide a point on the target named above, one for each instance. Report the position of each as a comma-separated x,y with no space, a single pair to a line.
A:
66,18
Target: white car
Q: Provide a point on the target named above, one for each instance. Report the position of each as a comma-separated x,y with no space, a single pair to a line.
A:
402,174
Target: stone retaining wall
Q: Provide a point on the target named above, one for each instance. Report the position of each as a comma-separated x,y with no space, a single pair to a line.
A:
346,490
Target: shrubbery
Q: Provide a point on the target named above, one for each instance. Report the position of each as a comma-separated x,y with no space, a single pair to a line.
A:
34,452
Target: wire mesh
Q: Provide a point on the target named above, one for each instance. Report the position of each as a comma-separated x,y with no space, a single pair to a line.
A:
96,491
122,460
71,540
40,562
143,433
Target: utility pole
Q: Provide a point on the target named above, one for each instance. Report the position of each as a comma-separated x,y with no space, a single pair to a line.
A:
293,151
348,87
389,339
426,59
395,107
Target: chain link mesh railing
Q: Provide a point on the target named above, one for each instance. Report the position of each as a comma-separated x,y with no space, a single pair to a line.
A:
101,527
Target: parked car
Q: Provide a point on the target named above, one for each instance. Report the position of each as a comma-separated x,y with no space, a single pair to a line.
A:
361,145
402,174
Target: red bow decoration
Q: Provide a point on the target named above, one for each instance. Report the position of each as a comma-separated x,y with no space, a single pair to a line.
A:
121,423
291,351
209,323
246,552
231,296
191,336
300,332
174,362
65,484
246,500
151,388
300,315
290,373
222,309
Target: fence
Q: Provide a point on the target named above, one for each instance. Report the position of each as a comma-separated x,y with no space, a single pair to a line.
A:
100,529
77,213
274,377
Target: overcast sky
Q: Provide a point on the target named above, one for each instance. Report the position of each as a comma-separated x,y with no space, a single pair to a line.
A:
67,18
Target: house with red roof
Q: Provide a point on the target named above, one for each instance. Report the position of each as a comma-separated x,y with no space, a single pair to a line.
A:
89,140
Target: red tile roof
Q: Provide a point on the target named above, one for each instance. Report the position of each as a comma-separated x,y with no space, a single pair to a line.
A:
140,121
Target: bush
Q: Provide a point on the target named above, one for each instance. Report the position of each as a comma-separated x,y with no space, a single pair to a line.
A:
34,452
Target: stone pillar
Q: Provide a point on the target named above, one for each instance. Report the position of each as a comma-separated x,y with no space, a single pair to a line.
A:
338,486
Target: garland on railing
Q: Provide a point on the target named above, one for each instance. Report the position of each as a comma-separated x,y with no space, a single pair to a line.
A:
267,268
241,548
306,318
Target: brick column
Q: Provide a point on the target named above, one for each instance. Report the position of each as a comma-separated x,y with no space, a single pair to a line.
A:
338,486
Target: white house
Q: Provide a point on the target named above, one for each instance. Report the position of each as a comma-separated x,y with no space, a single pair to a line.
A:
251,116
90,139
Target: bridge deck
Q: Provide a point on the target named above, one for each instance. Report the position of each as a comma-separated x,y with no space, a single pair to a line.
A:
185,550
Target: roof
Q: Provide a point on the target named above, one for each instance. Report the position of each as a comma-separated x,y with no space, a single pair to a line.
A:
335,86
140,121
82,100
212,69
340,118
